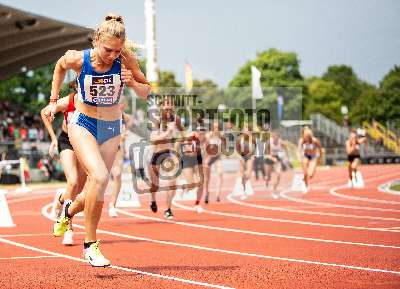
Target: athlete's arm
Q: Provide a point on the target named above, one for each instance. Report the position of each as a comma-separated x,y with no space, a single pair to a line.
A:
72,59
349,147
44,113
319,147
132,76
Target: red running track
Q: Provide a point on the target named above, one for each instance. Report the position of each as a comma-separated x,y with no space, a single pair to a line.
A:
332,237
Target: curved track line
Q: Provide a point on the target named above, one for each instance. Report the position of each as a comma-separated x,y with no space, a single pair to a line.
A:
248,232
336,194
294,199
264,207
248,217
184,245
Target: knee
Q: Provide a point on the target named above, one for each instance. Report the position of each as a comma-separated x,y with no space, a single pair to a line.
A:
117,175
100,178
72,183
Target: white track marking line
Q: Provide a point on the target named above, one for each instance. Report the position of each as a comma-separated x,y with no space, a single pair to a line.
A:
336,194
27,199
184,245
248,217
248,232
32,257
294,199
34,235
269,208
114,267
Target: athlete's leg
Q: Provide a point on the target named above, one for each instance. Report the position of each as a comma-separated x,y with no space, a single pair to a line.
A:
305,163
207,176
198,172
350,170
311,168
154,174
116,172
242,169
97,161
69,163
220,172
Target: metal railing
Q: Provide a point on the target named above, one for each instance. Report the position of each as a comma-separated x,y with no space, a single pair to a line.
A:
330,128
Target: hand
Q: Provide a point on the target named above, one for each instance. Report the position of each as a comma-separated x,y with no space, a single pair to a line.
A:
51,112
127,77
53,147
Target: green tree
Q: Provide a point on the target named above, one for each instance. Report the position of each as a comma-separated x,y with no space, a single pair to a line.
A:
280,75
210,95
390,95
167,79
325,98
345,77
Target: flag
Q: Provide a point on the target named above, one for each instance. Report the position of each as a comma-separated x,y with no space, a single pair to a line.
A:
255,83
280,107
188,77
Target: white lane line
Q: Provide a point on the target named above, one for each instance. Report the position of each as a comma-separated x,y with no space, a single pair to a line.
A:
248,217
269,208
114,267
256,233
28,199
35,235
294,199
336,194
31,257
184,245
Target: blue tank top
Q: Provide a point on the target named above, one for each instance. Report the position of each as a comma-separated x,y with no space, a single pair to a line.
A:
99,89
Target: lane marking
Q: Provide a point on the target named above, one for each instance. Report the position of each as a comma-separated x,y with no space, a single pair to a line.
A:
184,245
32,257
36,235
248,232
249,217
21,245
264,207
294,199
336,194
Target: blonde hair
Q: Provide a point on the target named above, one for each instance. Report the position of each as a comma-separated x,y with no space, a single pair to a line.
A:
113,25
308,132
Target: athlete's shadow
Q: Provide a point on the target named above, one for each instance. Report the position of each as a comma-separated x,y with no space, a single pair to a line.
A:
127,241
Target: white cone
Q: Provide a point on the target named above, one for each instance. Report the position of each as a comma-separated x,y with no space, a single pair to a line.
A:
359,182
238,188
5,216
249,188
298,184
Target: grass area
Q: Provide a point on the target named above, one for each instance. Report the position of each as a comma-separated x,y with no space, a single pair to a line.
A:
395,187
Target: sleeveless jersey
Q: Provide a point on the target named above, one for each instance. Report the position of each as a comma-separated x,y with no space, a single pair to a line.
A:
99,89
70,108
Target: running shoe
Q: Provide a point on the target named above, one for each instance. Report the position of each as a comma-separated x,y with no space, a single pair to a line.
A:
94,256
68,238
218,199
112,212
153,206
168,214
62,223
206,200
